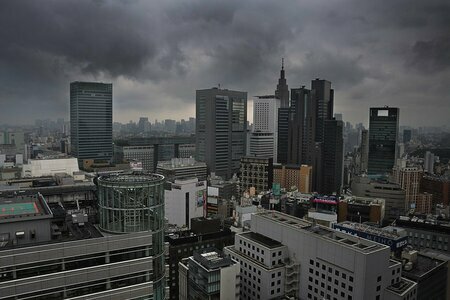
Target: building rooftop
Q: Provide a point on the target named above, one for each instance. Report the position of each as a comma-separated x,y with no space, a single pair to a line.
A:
211,258
363,200
422,266
179,163
355,243
22,208
401,287
382,232
268,242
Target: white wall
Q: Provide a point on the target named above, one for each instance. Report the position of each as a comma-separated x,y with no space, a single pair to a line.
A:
49,167
175,201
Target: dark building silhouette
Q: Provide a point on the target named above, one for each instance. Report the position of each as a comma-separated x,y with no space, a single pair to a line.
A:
333,157
407,134
282,93
283,134
91,120
302,125
324,98
383,132
310,116
221,126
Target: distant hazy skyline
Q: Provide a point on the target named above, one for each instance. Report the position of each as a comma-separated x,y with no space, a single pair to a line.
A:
157,53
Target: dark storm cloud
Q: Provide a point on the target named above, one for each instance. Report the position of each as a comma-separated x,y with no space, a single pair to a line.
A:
157,53
431,56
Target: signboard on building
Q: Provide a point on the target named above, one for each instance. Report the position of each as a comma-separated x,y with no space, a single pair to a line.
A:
394,243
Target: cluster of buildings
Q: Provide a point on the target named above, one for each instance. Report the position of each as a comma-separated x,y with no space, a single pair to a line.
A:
275,211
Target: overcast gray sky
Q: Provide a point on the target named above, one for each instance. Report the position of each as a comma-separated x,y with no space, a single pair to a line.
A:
157,53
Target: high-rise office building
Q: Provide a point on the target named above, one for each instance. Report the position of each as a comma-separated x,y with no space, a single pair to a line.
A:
282,93
221,125
283,134
324,99
428,165
302,127
383,132
264,138
91,120
333,157
364,151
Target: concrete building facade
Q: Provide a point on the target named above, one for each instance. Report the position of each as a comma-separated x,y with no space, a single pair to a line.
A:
314,262
185,199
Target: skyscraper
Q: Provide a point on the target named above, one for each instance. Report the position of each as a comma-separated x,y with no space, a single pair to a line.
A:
282,91
333,157
302,126
91,120
383,132
324,99
429,162
364,150
221,125
264,138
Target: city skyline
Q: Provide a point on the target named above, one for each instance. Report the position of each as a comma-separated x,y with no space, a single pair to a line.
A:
157,54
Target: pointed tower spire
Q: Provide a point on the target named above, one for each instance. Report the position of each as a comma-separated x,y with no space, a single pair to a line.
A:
282,91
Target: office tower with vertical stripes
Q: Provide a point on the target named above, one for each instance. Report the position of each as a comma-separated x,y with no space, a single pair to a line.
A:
383,132
91,120
221,126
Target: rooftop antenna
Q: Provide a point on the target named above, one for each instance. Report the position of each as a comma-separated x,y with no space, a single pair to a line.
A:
219,85
282,63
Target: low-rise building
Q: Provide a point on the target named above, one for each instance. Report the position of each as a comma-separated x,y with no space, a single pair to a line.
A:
184,200
288,176
257,173
361,209
297,258
178,168
209,274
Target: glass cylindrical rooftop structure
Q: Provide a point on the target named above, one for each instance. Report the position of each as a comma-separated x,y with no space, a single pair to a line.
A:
133,203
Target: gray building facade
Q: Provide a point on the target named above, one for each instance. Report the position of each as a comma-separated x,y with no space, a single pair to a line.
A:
221,126
91,120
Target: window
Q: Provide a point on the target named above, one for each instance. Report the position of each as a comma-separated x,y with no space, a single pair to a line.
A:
311,262
350,278
379,279
336,273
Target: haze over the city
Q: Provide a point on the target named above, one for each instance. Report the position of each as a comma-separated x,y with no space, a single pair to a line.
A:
157,54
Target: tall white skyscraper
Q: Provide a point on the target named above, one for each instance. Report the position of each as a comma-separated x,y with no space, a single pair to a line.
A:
263,140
